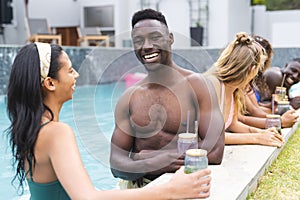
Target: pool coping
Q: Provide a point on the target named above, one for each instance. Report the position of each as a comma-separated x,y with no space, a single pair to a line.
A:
240,170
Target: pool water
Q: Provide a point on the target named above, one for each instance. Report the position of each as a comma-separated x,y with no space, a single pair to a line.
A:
90,114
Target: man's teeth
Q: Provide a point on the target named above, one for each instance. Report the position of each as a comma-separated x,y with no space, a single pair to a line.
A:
289,80
151,55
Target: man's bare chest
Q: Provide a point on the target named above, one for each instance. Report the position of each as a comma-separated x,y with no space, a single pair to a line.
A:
160,109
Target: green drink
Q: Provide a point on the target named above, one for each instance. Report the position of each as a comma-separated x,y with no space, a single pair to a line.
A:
195,160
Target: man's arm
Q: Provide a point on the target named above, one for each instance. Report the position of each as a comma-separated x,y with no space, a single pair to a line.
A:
211,121
288,119
133,166
120,162
122,142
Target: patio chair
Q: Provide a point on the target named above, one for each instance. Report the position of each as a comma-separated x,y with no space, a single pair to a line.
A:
91,35
38,30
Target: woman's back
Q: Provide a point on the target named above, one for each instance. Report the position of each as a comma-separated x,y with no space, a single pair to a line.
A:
226,104
42,180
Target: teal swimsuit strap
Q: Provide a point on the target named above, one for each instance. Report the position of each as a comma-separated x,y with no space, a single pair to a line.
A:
30,157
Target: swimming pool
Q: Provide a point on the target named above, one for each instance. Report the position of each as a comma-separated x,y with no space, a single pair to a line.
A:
90,114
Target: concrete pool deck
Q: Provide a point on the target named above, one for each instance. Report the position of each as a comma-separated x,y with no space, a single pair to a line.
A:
241,168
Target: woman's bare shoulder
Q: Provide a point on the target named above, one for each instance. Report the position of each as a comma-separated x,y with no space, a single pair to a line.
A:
57,129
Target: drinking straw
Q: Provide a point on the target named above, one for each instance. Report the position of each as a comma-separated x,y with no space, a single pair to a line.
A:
273,99
196,128
282,80
187,121
196,133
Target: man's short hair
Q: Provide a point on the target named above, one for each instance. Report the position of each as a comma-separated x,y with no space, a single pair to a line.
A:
296,60
148,14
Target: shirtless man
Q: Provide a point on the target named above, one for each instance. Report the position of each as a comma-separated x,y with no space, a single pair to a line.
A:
150,114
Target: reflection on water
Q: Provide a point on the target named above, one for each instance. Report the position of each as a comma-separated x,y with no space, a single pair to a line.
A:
90,114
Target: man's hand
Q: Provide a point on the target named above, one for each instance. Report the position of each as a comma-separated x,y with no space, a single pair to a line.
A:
289,118
295,102
169,160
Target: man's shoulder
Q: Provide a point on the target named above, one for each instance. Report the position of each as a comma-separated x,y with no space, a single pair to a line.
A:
197,78
194,75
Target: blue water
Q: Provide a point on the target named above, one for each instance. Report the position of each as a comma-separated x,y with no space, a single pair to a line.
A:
90,114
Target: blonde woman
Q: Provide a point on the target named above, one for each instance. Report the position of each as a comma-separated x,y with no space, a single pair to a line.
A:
237,65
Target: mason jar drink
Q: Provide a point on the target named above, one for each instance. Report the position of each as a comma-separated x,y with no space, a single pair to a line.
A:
280,93
195,160
274,121
282,107
187,141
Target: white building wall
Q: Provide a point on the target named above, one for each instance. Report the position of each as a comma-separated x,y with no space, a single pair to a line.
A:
122,28
281,28
178,21
179,26
226,18
123,24
284,28
15,33
260,21
60,13
218,23
239,16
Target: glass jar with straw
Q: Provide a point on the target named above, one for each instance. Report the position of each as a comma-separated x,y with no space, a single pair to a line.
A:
280,91
282,107
187,140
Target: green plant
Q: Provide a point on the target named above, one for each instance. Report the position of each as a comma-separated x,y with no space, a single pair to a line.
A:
258,2
283,4
198,24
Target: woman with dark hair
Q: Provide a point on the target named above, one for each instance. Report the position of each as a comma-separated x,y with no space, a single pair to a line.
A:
258,90
45,149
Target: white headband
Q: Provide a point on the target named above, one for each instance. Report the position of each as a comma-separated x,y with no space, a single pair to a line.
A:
44,50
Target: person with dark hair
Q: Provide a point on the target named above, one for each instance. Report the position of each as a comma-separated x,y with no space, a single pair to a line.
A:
168,101
252,96
258,88
289,75
45,150
148,14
